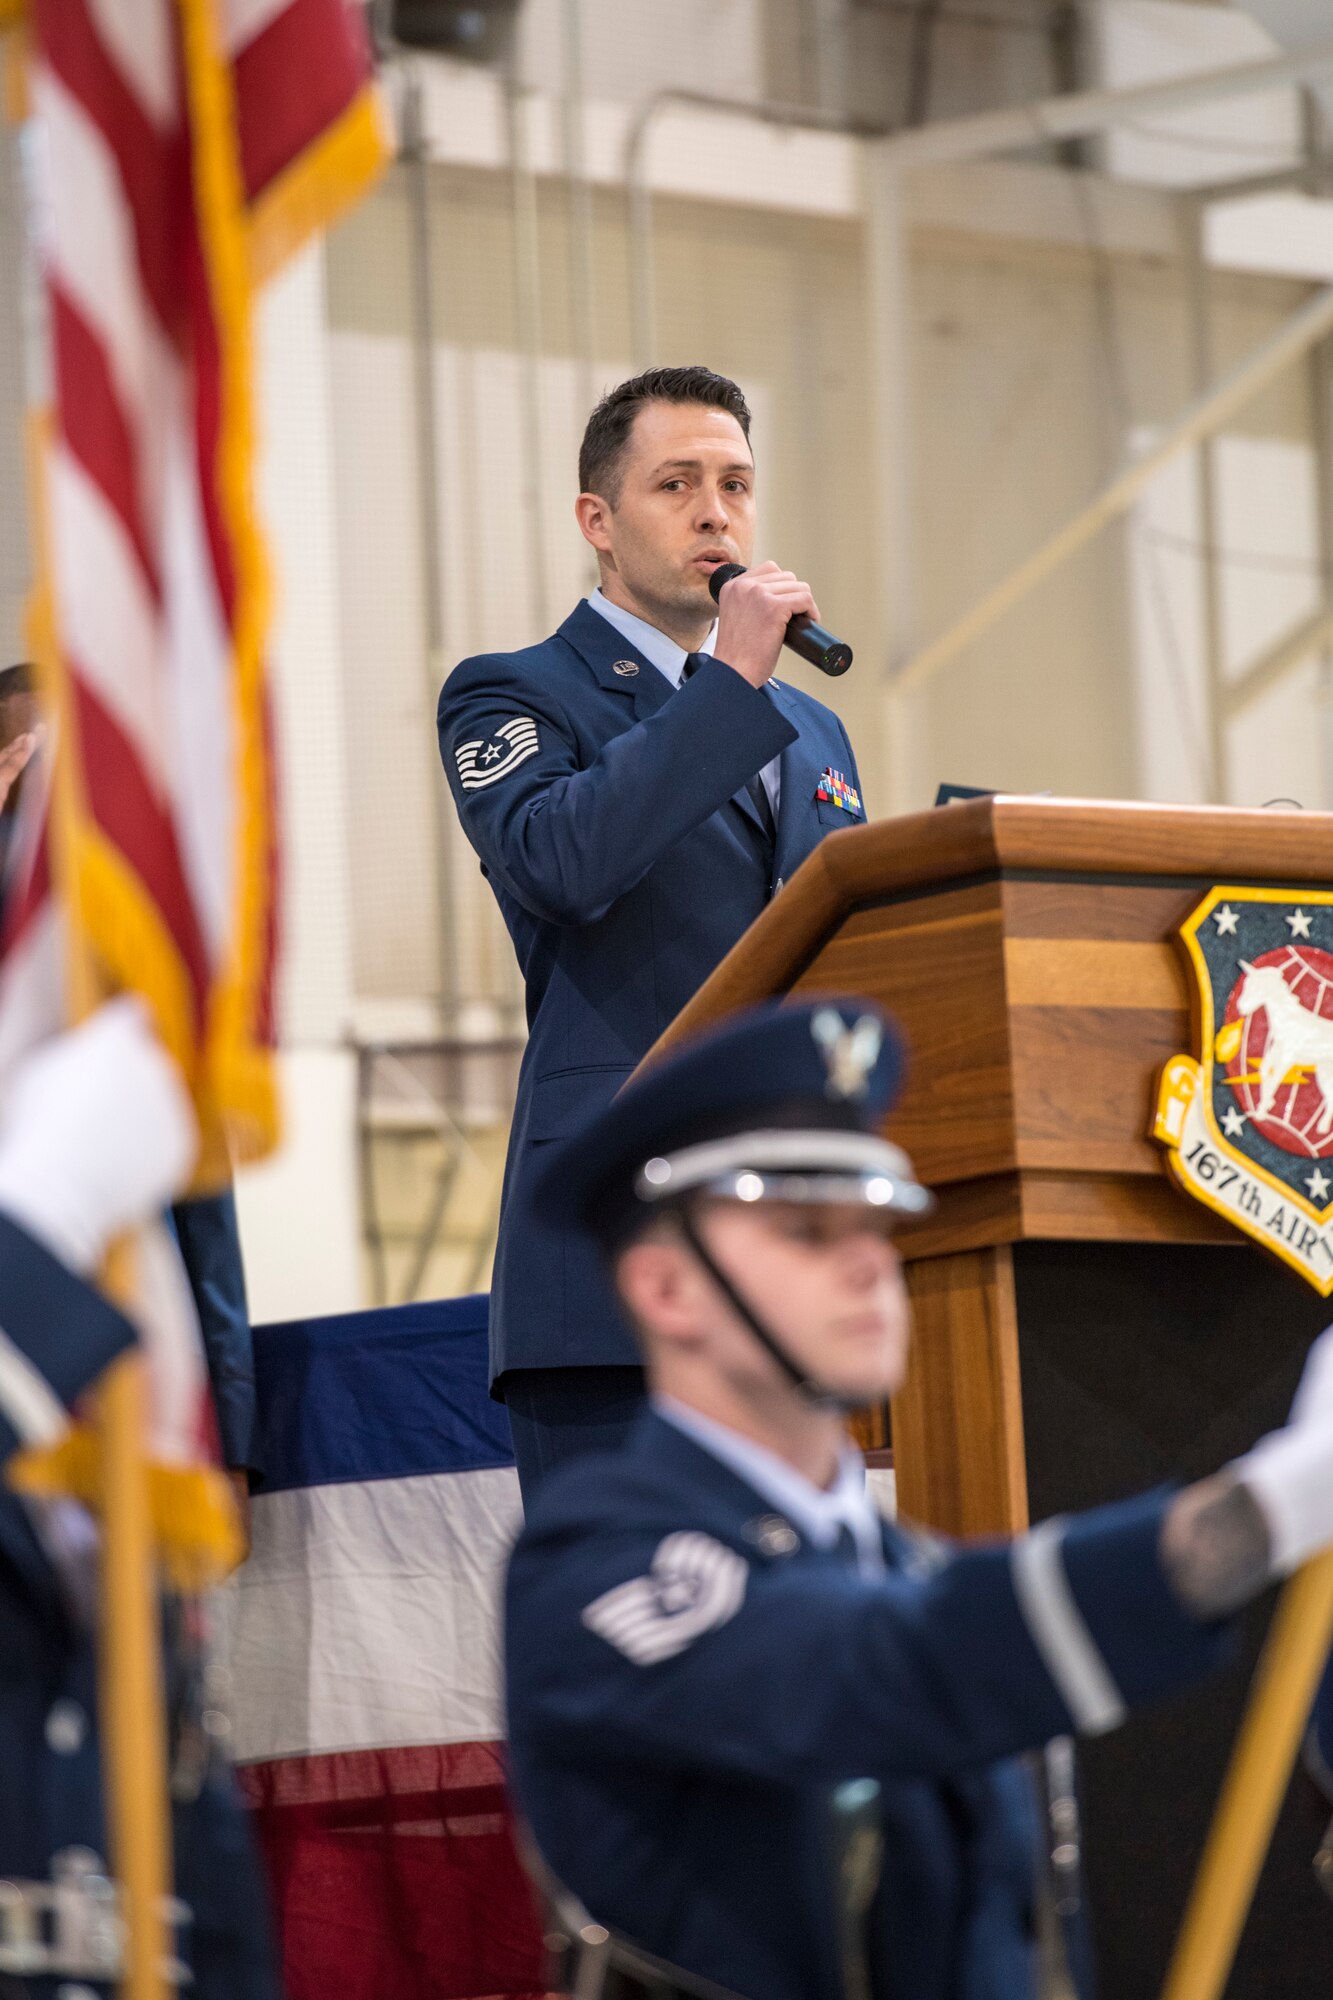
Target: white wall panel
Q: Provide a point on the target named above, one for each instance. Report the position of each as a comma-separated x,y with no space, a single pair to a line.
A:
1268,531
297,498
1170,684
1268,583
299,1211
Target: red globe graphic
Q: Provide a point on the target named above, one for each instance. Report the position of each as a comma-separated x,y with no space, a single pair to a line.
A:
1300,1046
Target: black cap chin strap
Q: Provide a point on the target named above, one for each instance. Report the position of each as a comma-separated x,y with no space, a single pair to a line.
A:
819,1397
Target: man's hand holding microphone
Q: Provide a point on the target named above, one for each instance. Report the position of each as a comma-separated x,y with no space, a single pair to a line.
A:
763,609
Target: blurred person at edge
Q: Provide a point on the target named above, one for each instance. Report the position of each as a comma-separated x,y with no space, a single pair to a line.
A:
205,1227
712,1639
96,1135
21,733
637,786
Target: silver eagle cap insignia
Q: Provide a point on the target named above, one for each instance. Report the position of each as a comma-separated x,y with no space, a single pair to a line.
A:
849,1053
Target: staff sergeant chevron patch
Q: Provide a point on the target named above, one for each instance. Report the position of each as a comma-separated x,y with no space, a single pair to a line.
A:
490,758
694,1585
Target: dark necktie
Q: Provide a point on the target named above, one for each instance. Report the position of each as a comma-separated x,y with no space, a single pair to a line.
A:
846,1546
755,787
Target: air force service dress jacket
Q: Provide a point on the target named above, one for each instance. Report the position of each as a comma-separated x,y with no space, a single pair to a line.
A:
610,814
59,1334
688,1681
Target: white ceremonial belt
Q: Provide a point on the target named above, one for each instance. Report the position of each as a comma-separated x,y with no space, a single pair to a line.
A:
71,1926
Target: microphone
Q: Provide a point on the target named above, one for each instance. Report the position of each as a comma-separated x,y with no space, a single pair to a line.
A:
812,641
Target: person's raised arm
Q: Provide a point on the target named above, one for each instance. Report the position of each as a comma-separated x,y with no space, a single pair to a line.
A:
1227,1537
1065,1628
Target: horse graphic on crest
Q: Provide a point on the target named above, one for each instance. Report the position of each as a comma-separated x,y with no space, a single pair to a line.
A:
1298,1039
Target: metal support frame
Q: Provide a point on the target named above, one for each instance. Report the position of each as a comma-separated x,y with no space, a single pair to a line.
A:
1077,115
1321,390
528,310
582,289
889,371
888,157
397,1056
830,32
1206,491
1080,113
1295,338
1316,135
415,158
1277,660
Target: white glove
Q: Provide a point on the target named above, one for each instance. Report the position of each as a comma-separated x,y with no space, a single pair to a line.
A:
1290,1472
96,1134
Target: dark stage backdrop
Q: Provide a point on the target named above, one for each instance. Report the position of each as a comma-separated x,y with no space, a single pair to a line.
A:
1141,1364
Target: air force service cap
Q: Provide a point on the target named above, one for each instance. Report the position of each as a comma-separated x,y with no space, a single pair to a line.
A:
781,1102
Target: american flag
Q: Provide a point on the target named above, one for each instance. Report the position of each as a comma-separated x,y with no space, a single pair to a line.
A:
178,150
181,148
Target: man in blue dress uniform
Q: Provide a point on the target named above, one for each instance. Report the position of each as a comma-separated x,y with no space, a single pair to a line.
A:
96,1134
637,786
711,1634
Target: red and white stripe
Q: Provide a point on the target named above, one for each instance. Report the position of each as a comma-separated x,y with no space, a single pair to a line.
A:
143,575
137,583
141,568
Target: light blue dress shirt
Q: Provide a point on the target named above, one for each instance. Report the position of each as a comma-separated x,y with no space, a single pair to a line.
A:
669,659
818,1513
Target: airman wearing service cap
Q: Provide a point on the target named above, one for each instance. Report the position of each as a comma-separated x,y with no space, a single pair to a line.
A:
714,1642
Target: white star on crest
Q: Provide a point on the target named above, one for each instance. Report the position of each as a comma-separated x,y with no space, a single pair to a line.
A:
1226,921
1318,1184
1233,1122
1299,924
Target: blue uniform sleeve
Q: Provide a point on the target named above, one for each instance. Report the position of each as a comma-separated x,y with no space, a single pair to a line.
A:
56,1336
210,1246
567,839
681,1653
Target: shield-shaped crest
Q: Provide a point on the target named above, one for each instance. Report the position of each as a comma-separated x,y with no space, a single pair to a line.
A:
1248,1123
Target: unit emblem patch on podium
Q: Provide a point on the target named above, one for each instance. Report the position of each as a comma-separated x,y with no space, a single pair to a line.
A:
1248,1123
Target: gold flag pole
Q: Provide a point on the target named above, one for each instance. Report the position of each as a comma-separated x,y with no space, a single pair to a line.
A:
133,1712
1270,1736
129,1657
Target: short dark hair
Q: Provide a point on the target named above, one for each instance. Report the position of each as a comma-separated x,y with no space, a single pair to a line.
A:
16,680
609,426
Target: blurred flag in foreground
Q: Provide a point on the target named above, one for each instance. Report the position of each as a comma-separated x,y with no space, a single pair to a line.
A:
175,152
179,149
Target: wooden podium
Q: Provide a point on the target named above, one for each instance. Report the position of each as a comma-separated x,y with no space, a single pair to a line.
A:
1082,1329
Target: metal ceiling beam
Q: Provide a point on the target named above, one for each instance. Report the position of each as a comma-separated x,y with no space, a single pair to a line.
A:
1294,338
1081,113
1277,660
